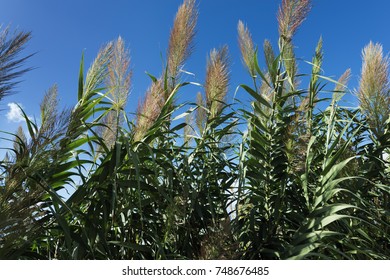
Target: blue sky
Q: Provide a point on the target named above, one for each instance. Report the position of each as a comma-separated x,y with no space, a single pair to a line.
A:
62,30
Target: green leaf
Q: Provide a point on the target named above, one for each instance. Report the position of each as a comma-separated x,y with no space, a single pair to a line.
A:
81,79
257,96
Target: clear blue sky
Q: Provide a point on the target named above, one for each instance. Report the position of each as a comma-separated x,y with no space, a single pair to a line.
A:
63,29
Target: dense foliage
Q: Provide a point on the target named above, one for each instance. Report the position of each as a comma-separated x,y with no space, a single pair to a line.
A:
307,179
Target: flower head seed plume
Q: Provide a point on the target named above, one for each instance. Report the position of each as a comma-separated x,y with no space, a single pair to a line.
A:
109,130
290,62
374,87
188,129
118,82
317,60
290,16
149,110
49,106
201,113
20,142
247,48
269,53
182,37
217,80
97,73
343,80
119,74
179,49
10,65
341,85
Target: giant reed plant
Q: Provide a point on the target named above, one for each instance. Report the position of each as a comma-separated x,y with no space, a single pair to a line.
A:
11,65
301,183
294,204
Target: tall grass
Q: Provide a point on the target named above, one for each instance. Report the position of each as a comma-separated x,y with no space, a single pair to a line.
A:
300,183
11,65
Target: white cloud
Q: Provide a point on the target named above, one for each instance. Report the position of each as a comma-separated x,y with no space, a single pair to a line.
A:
14,114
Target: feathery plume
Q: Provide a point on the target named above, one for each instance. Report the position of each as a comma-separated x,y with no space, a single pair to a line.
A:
181,37
118,83
201,114
269,53
317,60
217,80
49,106
188,129
10,64
290,16
179,49
97,73
109,131
343,81
340,88
374,87
307,104
290,62
341,85
20,142
247,48
149,110
95,77
312,97
119,74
